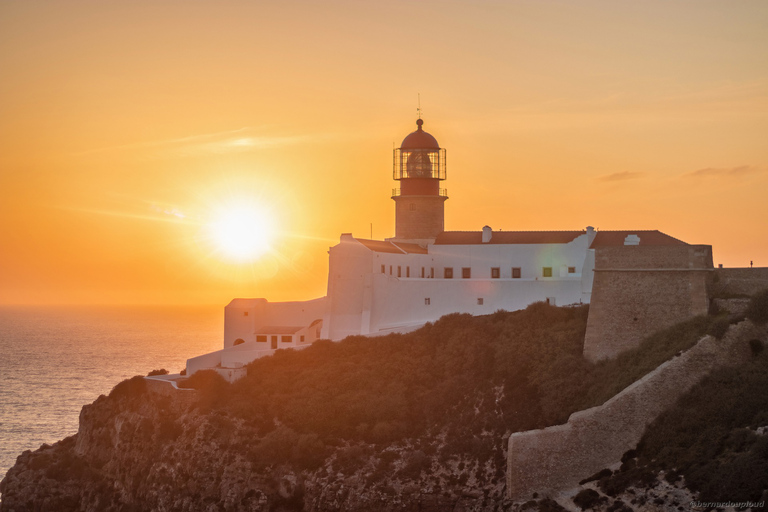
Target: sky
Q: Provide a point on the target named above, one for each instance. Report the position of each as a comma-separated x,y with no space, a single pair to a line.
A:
135,135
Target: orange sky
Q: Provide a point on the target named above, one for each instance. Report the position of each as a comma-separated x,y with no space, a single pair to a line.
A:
125,125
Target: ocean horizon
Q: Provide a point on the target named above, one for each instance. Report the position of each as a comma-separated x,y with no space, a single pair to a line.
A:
56,359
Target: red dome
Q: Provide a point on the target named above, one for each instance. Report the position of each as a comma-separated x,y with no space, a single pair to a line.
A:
419,139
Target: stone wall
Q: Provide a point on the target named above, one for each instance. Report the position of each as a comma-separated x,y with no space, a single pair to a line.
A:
419,217
557,458
729,282
640,289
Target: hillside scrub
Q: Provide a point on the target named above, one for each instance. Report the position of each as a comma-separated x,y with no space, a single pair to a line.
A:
716,437
449,391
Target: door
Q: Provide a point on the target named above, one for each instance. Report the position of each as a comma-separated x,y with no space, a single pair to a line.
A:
274,341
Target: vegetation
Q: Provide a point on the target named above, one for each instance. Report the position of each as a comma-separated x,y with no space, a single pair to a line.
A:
712,437
449,391
757,311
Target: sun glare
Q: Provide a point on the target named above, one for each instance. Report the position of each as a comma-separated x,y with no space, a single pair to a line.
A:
241,232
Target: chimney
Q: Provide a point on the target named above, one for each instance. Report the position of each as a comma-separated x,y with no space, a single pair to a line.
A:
487,234
632,240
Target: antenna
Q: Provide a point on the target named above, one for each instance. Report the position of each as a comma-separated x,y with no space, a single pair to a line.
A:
418,110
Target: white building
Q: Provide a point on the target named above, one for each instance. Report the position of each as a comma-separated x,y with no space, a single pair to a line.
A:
396,285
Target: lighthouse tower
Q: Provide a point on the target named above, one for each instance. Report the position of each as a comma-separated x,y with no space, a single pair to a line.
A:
419,166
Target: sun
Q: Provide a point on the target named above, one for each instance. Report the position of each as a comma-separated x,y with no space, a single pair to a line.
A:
241,232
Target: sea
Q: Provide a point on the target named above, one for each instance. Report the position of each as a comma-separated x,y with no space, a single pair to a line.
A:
55,359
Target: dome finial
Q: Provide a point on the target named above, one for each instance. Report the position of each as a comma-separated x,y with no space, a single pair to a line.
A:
419,122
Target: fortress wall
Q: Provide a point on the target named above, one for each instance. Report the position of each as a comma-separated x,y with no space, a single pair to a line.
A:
640,289
557,458
739,281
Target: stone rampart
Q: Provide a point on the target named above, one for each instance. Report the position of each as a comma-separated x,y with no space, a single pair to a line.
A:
557,458
638,290
730,282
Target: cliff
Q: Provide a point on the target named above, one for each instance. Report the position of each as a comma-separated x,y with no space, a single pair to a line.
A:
402,422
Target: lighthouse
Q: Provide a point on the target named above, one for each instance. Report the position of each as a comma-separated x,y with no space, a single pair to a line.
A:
419,166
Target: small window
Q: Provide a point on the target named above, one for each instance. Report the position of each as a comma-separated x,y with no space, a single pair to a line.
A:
422,272
301,338
426,301
432,273
466,272
413,207
390,270
407,271
546,271
479,301
516,273
383,269
448,273
245,313
571,270
286,339
261,338
495,273
399,271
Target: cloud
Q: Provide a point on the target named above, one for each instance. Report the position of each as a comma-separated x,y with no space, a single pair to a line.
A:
241,139
621,176
733,172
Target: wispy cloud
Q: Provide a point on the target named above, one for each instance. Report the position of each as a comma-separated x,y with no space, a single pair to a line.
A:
241,139
732,172
621,176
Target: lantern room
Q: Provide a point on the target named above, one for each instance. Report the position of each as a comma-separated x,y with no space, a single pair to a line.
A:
419,166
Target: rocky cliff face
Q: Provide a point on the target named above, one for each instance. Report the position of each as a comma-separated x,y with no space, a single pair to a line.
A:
139,450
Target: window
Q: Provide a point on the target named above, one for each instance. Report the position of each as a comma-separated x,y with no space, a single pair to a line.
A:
495,273
466,272
448,273
422,272
571,270
426,301
383,269
432,273
399,271
245,313
479,301
301,338
390,270
546,271
261,338
238,341
286,339
407,271
413,207
551,301
516,273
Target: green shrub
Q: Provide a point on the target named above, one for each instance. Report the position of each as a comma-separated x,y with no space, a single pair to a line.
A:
586,498
757,311
153,373
129,388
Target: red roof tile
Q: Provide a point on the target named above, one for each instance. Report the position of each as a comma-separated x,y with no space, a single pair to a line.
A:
614,238
507,237
392,247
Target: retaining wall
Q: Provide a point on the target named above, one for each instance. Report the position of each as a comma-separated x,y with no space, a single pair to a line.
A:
739,281
557,458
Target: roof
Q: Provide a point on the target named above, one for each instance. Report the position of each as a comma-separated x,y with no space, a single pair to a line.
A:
419,139
392,247
278,329
507,237
647,237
